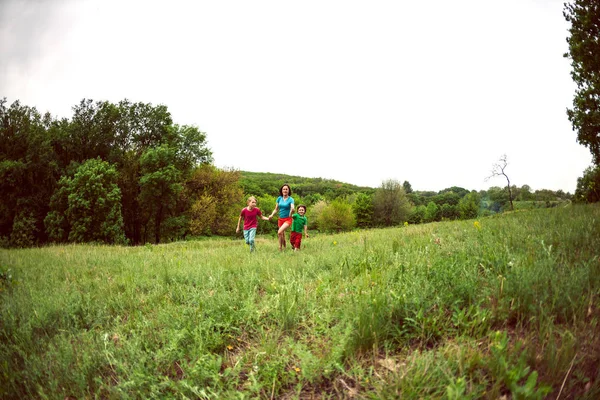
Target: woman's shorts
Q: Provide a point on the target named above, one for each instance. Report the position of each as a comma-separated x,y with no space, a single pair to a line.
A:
282,221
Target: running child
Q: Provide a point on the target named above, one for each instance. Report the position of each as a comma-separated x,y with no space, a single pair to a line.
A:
299,223
249,214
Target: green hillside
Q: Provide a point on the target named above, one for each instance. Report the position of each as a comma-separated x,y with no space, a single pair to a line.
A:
259,183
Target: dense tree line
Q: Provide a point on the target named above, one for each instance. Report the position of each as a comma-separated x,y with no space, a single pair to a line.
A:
112,173
339,207
125,173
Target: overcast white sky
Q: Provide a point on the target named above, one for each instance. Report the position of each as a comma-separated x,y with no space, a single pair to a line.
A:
358,91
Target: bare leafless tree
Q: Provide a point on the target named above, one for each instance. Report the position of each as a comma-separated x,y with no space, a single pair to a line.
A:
498,169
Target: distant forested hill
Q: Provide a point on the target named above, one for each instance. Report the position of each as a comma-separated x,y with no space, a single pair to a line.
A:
266,183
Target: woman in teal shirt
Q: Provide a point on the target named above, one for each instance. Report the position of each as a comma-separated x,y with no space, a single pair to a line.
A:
285,205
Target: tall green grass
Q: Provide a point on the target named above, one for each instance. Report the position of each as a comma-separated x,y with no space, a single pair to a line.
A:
502,306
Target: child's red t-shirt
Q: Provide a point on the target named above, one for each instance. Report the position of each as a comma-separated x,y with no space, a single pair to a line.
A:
250,217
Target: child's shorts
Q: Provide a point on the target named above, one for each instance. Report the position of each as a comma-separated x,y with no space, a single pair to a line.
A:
296,239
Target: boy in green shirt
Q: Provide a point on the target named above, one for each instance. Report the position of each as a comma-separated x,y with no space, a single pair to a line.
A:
299,223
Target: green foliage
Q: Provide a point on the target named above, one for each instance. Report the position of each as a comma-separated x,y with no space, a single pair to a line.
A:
24,231
523,193
449,211
160,185
363,210
336,216
432,212
390,204
203,213
315,213
588,186
468,206
87,207
28,173
190,144
311,189
36,150
56,222
267,203
417,215
407,187
512,371
584,45
497,198
216,200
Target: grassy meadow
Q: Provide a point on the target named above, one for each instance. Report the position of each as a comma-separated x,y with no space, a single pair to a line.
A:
499,308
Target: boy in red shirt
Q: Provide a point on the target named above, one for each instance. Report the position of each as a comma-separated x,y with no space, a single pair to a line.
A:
250,214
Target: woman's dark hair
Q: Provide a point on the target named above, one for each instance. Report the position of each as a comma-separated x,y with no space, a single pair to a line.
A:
281,189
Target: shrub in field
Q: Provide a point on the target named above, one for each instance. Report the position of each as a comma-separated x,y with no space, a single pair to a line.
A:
391,206
417,214
432,212
337,216
468,206
363,210
315,213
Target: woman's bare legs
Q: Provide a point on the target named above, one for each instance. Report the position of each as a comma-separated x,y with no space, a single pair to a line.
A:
281,235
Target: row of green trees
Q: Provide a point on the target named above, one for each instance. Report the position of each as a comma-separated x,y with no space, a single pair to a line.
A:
113,173
125,173
392,203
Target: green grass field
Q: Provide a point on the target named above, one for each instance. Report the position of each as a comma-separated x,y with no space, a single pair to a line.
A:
502,307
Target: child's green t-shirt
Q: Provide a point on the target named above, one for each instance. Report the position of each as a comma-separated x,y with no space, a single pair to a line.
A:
298,223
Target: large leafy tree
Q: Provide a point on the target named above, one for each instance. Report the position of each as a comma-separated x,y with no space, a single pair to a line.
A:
390,204
588,186
469,205
87,207
190,145
584,48
432,212
160,186
215,199
363,210
28,173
